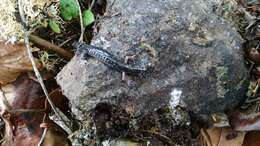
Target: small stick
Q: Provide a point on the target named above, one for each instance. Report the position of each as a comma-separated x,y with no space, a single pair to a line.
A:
45,128
43,136
163,137
81,23
91,5
22,15
63,43
52,47
36,71
256,88
38,75
252,100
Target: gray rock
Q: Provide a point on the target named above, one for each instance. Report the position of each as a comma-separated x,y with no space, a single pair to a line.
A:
195,59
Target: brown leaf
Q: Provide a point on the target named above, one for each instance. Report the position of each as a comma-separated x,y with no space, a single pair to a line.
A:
230,137
252,138
222,137
22,126
13,61
54,138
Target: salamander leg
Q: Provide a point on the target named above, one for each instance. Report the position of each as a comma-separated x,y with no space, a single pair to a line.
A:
126,60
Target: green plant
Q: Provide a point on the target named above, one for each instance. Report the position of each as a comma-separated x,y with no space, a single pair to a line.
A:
69,9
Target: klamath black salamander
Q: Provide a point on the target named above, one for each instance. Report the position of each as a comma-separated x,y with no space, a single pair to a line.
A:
107,58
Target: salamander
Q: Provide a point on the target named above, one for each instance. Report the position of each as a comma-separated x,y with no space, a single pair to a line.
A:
107,58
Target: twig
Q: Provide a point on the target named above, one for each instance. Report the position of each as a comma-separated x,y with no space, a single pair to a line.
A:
66,41
112,5
252,100
16,111
42,137
92,3
52,47
45,128
256,88
163,137
81,23
36,71
248,16
250,24
38,75
22,15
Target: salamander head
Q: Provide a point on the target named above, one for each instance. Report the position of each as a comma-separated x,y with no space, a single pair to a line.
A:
77,45
80,46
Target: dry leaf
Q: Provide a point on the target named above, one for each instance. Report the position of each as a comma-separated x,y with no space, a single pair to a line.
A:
13,61
230,137
54,138
212,135
23,128
252,138
222,137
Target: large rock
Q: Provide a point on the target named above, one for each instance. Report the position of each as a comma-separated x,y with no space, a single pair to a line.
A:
196,60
